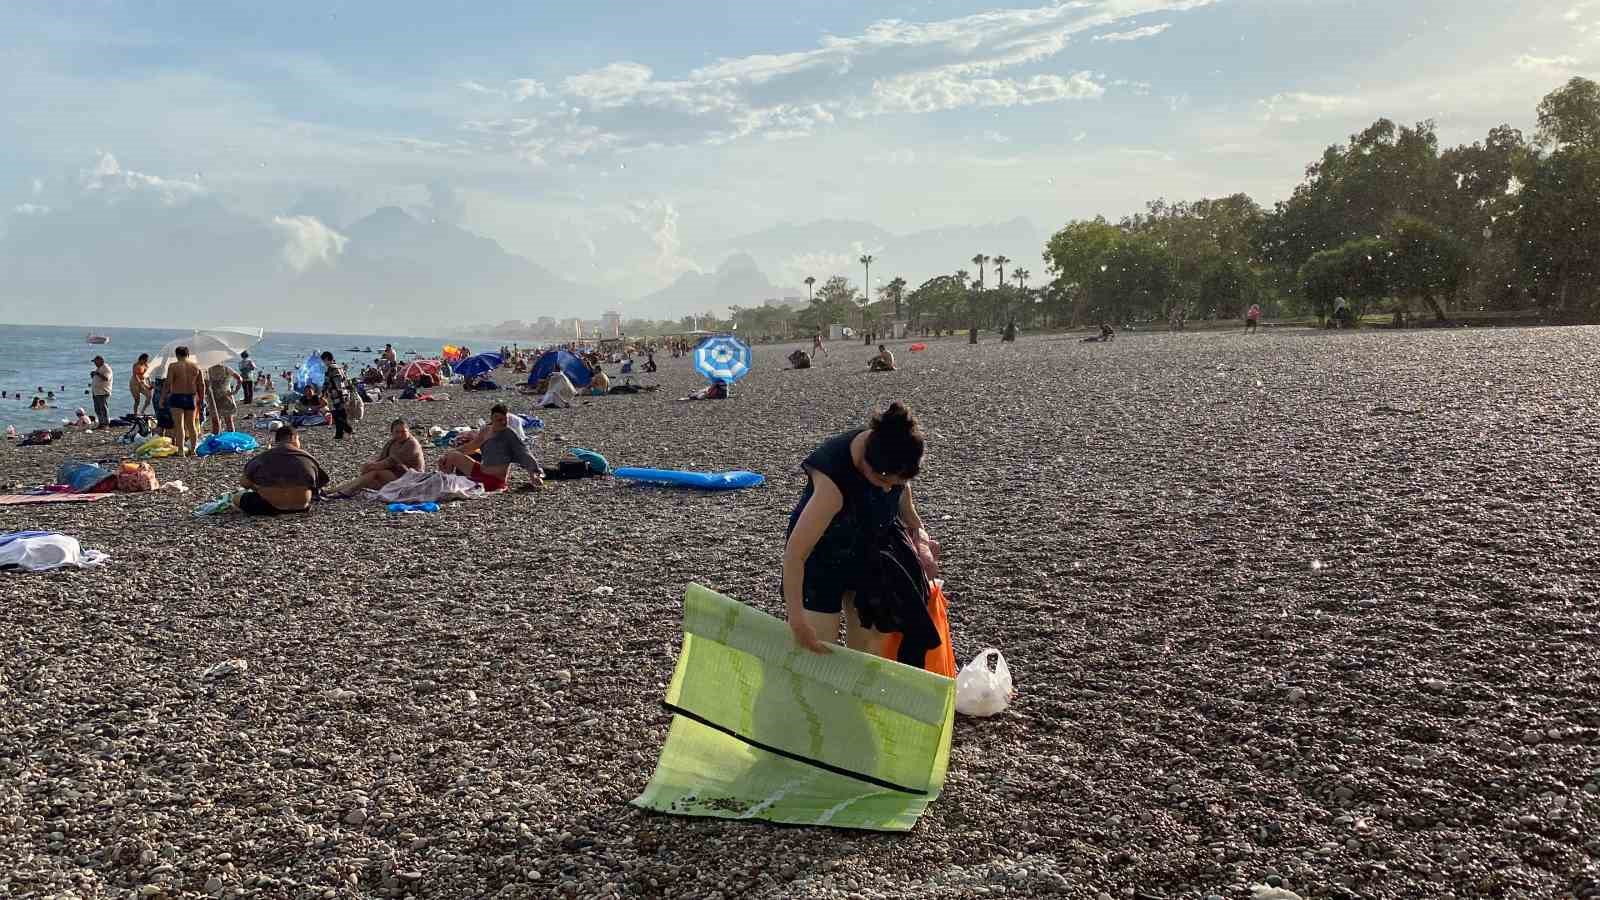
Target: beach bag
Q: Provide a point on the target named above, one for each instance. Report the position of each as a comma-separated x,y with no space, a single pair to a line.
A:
136,477
941,660
981,692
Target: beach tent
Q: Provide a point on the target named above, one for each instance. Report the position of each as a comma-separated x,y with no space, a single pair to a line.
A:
577,370
481,364
762,729
420,367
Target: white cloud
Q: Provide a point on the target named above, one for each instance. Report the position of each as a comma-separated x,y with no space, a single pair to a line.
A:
30,209
307,242
1547,65
1299,106
659,219
1135,34
995,137
891,67
109,180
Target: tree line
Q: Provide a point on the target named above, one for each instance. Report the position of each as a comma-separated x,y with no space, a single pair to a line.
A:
1388,221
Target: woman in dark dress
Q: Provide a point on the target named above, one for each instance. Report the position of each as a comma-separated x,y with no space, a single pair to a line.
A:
847,537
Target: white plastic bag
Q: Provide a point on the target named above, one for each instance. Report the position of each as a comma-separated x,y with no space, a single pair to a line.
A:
980,692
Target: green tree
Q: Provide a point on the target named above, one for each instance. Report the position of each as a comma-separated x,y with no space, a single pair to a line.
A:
1425,261
1355,270
1076,252
1569,117
1136,281
1559,232
894,292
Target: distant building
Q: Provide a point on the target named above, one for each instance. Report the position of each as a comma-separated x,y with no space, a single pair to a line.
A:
611,324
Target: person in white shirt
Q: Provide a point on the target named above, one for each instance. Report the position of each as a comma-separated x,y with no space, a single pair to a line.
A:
100,387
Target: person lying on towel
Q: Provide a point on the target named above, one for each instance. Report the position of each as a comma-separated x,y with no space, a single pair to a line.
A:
499,446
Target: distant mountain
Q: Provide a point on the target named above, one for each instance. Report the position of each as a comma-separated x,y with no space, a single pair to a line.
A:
436,271
737,282
824,248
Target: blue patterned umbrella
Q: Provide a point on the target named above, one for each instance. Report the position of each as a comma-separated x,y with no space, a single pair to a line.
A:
723,357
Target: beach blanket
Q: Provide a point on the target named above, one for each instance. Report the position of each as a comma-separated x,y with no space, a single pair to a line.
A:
226,442
426,487
764,730
25,499
41,551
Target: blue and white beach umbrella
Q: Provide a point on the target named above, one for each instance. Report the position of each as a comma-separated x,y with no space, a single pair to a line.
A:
723,356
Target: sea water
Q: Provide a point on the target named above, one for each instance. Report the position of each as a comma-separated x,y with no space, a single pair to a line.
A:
57,359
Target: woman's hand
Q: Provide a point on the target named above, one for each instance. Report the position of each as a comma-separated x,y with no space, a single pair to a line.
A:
806,637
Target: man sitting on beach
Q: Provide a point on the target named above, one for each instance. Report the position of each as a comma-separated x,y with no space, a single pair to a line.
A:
499,446
281,480
883,362
402,454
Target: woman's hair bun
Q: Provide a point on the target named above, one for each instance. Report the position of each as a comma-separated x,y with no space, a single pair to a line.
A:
896,444
897,417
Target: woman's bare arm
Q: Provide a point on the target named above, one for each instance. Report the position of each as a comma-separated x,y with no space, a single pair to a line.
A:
825,503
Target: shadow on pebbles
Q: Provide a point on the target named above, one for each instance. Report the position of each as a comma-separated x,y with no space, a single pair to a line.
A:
1302,609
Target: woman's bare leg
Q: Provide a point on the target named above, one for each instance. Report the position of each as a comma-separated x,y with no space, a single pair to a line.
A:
858,636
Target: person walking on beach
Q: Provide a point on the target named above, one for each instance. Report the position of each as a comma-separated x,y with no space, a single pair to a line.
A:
850,548
139,384
337,394
1252,318
247,377
816,345
100,387
185,381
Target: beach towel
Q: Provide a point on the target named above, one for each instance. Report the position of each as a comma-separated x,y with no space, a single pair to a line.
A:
41,551
25,499
762,729
426,487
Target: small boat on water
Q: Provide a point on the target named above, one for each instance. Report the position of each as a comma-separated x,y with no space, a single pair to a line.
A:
98,339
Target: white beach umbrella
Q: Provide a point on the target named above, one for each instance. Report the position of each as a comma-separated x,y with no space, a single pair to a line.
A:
205,350
240,339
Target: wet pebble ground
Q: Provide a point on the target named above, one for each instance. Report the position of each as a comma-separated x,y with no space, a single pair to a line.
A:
1308,610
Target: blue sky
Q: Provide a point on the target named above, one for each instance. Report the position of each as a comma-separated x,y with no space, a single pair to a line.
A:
624,135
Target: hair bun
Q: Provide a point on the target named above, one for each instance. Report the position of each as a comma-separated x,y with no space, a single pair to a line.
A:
896,418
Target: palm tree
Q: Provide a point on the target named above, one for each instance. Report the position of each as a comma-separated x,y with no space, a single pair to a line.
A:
809,282
1000,266
979,261
866,293
1022,276
963,276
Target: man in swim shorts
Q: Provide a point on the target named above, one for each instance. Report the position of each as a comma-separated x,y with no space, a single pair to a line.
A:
499,446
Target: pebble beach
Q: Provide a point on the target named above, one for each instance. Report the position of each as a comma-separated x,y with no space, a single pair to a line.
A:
1304,611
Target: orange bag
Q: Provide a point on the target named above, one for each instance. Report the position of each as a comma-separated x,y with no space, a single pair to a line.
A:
940,660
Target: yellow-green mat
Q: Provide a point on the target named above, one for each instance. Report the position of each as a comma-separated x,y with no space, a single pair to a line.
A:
764,730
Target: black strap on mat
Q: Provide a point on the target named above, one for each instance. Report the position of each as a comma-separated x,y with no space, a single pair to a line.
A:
879,782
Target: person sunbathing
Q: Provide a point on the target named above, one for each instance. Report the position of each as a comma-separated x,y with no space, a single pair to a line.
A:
402,454
499,446
883,362
281,480
716,390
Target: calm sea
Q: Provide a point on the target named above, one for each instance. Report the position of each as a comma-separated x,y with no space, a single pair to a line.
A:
58,359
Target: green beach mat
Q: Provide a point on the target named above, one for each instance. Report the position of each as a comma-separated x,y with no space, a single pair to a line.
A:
764,730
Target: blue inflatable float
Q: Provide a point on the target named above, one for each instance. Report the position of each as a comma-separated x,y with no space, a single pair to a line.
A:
705,481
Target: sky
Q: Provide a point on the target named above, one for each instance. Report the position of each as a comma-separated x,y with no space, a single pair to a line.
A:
607,140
